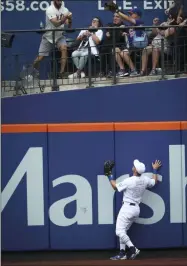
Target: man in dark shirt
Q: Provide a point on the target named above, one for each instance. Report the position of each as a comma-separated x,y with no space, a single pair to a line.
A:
107,46
124,55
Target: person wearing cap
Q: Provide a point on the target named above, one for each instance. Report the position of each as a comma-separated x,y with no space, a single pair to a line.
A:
133,189
134,19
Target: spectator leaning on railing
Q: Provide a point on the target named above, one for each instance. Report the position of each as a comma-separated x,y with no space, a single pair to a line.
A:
107,45
167,35
87,38
152,32
178,8
57,15
123,56
137,38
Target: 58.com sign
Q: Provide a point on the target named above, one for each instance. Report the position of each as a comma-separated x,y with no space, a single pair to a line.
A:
24,5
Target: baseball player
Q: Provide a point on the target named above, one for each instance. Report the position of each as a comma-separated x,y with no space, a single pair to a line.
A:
133,189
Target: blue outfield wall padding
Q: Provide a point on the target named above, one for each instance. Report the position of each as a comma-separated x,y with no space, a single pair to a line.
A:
24,192
184,176
79,193
160,224
55,196
151,101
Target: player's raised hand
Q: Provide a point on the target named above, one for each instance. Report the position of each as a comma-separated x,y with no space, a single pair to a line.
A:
157,164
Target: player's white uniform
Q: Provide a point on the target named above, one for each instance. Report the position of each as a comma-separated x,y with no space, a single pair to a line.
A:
133,189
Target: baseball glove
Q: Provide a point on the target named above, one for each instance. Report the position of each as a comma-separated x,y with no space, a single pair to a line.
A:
108,166
111,6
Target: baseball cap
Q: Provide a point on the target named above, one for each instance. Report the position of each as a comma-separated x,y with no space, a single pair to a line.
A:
140,167
136,10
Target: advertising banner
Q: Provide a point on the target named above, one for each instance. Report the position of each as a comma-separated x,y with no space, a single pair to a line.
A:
55,194
24,185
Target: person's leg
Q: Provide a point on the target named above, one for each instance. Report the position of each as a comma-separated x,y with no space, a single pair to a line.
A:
125,54
145,55
124,222
76,57
122,245
119,60
126,57
62,46
155,58
80,58
122,254
126,217
83,59
44,50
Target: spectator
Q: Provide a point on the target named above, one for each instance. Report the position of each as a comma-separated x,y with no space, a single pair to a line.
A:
155,47
178,8
124,55
57,15
107,46
86,38
152,32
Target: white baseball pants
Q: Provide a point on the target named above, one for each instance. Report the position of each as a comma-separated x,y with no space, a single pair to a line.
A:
127,215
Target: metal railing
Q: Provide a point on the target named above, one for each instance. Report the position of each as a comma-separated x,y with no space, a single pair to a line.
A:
172,63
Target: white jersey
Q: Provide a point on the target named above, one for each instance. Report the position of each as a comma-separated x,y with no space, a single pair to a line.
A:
53,12
94,49
134,188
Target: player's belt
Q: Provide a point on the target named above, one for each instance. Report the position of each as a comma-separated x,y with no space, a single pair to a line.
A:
130,203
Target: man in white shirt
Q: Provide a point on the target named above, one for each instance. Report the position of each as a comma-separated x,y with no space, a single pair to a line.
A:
57,15
133,189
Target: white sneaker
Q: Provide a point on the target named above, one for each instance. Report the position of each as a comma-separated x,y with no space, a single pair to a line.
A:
133,253
74,75
83,75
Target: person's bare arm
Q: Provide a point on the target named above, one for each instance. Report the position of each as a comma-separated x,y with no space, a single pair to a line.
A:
68,22
180,11
82,35
127,18
183,23
95,39
57,22
169,32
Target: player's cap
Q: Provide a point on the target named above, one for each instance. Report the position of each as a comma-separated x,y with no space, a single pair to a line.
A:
135,10
140,167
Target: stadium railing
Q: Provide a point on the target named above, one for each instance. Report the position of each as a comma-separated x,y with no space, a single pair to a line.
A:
18,75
